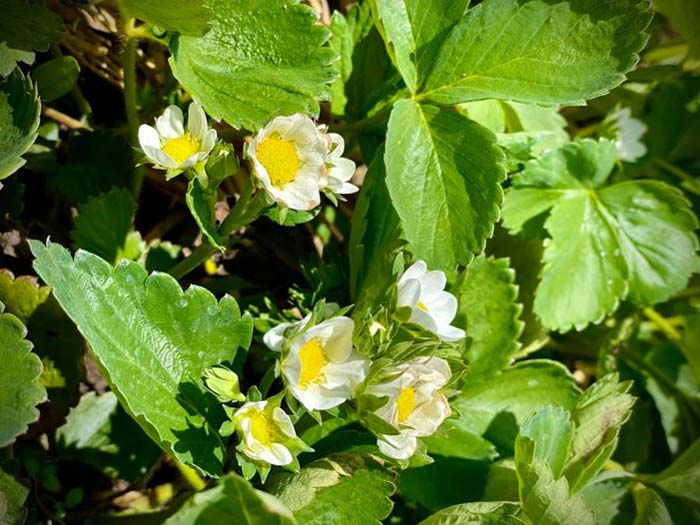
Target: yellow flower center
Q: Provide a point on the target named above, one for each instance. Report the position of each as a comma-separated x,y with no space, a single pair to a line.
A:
312,362
181,148
262,427
421,306
405,403
279,158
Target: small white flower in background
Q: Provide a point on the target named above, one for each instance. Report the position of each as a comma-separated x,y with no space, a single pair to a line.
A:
322,370
415,406
274,338
172,147
431,306
266,433
627,132
288,155
337,170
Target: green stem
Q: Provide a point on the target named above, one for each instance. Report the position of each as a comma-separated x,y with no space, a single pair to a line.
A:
686,177
190,475
662,324
130,105
236,219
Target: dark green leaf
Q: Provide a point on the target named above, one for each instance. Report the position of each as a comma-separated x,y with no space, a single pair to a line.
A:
492,513
202,206
29,26
12,497
56,77
682,478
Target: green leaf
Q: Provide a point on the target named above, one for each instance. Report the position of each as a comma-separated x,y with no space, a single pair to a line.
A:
682,477
551,431
489,314
486,513
411,28
609,498
153,342
56,77
22,295
12,497
342,489
202,205
375,238
9,58
270,61
29,26
634,238
495,407
573,51
443,173
103,223
19,120
189,17
98,432
232,500
544,498
599,414
20,390
651,509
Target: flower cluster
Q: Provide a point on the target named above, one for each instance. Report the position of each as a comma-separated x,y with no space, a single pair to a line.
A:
292,159
322,369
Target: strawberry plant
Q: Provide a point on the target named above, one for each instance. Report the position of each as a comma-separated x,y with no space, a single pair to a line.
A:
349,263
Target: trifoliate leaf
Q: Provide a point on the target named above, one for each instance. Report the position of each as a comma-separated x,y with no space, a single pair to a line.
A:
29,26
682,478
202,206
495,407
545,499
344,489
482,513
189,17
98,432
651,509
634,238
443,173
489,314
600,412
153,342
375,238
22,295
232,500
270,61
19,120
20,389
12,497
413,30
56,77
573,51
103,223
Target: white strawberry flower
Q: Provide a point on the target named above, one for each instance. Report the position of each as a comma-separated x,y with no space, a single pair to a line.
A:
415,406
288,155
431,306
628,132
173,148
266,433
337,170
322,369
274,338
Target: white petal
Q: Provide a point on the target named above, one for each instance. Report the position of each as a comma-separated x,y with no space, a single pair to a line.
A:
347,189
424,319
274,337
409,292
397,447
170,123
196,121
432,283
160,157
415,271
148,136
443,307
337,145
335,335
189,161
283,422
208,141
342,170
450,333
